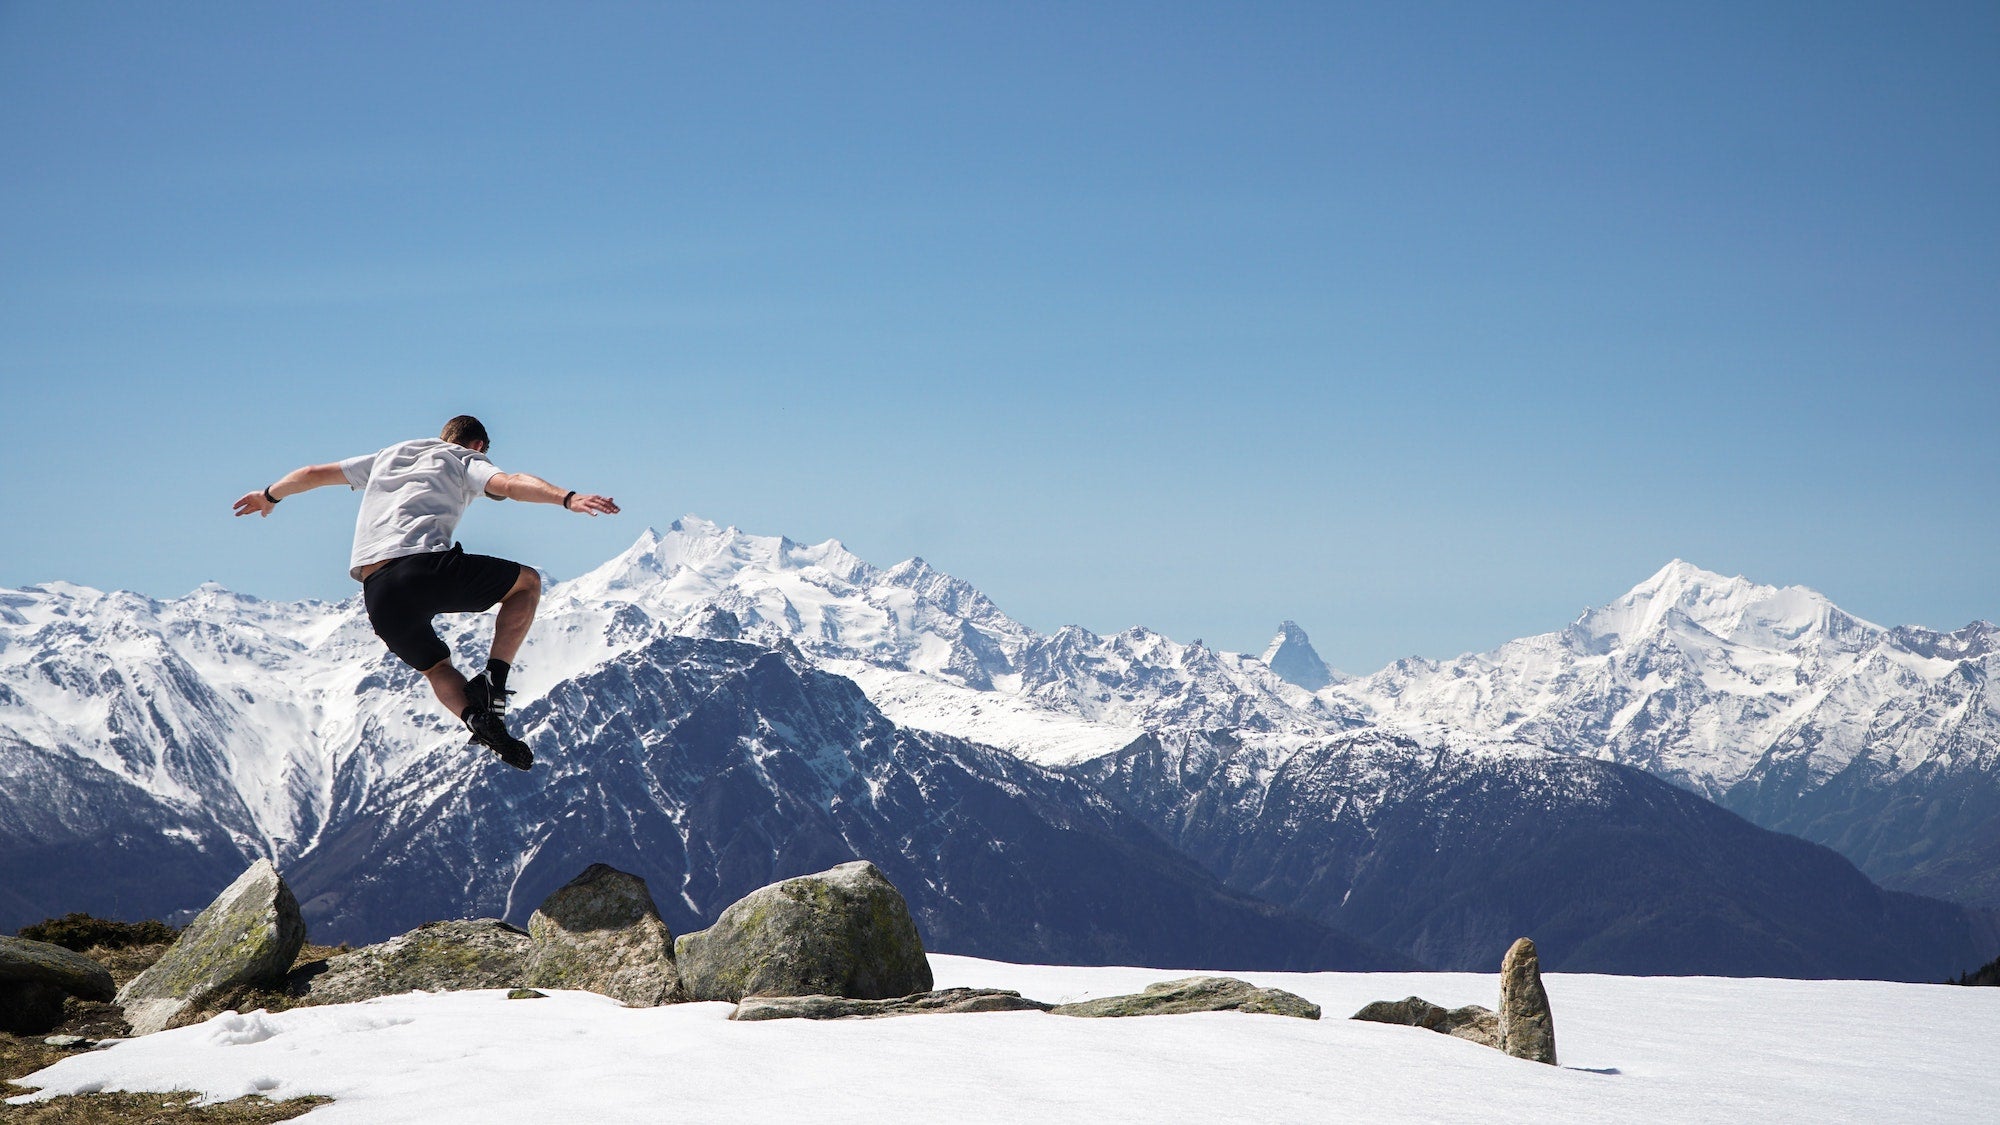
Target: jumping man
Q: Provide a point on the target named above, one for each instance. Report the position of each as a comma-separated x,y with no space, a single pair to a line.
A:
413,495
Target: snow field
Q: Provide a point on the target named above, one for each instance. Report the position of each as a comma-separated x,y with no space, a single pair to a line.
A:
1634,1049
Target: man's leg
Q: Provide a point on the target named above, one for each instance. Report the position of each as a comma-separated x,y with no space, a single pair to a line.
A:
517,613
448,685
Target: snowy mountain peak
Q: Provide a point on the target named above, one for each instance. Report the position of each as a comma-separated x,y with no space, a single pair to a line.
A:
1292,656
1734,609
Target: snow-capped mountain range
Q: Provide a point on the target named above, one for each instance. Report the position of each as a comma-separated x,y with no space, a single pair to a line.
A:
1883,743
228,726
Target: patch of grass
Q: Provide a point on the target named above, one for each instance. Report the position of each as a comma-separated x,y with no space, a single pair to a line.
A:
147,1109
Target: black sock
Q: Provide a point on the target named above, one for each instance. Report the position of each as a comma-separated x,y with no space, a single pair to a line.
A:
496,672
465,716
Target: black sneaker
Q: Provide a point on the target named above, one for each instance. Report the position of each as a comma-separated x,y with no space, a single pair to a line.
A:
479,693
490,731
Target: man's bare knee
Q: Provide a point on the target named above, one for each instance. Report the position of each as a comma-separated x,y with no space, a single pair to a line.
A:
528,585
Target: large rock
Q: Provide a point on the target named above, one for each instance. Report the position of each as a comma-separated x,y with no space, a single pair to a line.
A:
247,937
1196,994
923,1003
36,977
1527,1027
434,957
1472,1022
843,932
601,932
77,975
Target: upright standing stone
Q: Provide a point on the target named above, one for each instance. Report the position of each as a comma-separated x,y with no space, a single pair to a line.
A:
247,937
843,932
601,932
1527,1028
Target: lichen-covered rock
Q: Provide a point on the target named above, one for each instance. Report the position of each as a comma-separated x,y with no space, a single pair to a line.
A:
434,957
601,932
1472,1022
1527,1026
1196,994
246,937
923,1003
843,932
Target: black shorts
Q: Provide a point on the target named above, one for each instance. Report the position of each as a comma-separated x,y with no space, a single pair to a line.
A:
406,593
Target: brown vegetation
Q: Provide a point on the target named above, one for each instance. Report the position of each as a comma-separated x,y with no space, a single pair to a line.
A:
22,1055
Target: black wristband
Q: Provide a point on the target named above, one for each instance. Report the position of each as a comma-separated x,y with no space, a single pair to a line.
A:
567,499
268,496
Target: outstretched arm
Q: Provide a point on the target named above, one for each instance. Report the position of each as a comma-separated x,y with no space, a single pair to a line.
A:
534,490
297,481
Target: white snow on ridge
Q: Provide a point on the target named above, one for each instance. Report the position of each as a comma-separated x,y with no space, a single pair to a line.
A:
992,718
1633,1049
1691,675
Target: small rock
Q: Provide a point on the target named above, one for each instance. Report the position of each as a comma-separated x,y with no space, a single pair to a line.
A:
1410,1011
527,994
601,932
1527,1026
1196,994
1472,1022
842,932
923,1003
76,1041
434,957
247,937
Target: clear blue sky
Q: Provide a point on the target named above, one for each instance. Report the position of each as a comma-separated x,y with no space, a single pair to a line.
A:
1423,325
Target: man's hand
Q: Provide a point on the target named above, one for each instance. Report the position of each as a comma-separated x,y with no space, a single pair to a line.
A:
302,479
254,502
593,505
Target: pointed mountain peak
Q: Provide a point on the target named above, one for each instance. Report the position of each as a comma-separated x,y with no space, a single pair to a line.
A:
1733,608
1292,657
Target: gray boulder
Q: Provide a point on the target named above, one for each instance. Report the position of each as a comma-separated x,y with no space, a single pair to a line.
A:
247,937
434,957
36,977
843,932
1196,994
1527,1027
1472,1022
601,932
923,1003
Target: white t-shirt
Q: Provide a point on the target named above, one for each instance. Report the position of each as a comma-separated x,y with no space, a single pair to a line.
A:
413,495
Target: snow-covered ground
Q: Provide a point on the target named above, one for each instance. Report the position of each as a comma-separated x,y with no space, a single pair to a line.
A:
1633,1049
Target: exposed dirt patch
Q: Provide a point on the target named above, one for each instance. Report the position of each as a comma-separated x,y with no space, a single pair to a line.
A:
22,1055
145,1109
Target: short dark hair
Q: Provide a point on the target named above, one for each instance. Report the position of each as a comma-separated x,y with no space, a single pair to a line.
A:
464,430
